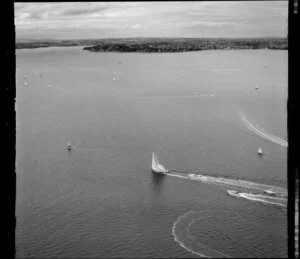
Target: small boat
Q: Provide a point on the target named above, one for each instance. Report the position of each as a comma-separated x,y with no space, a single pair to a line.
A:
269,192
233,193
25,84
259,151
69,146
256,87
156,166
114,79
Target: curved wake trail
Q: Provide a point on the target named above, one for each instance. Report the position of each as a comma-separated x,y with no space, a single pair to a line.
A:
183,237
254,127
262,133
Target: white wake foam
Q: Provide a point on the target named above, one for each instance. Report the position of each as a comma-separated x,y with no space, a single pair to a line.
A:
183,237
236,183
85,148
177,96
262,133
241,184
262,198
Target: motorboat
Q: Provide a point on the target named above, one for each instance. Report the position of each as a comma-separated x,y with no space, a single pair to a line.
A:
233,193
271,192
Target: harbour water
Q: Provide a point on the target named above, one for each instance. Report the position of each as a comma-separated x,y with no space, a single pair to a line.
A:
199,111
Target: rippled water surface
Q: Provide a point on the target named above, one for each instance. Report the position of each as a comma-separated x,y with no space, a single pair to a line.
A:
201,114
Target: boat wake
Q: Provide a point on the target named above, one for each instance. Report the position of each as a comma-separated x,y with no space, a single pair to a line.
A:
262,133
177,96
278,195
261,198
84,148
230,231
181,233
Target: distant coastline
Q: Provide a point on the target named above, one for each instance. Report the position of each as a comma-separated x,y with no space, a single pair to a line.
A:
161,45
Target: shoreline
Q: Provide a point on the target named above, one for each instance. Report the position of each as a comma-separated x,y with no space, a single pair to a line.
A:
162,45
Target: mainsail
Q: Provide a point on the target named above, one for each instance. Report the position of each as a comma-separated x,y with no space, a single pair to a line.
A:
156,166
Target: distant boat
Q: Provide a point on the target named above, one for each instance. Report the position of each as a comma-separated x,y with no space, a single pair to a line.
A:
259,151
25,84
69,146
256,87
156,166
114,79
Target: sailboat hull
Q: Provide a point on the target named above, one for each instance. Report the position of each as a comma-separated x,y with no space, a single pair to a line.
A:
159,172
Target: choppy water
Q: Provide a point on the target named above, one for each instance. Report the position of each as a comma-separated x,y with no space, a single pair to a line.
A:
202,115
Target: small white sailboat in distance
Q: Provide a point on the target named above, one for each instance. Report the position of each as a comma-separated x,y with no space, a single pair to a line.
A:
259,151
69,146
156,166
256,87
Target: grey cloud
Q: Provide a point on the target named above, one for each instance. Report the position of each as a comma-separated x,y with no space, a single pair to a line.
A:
82,11
35,16
150,18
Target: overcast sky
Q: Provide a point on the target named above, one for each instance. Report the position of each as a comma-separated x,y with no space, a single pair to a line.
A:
151,19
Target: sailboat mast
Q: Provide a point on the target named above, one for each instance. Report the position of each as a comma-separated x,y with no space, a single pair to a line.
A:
157,162
153,160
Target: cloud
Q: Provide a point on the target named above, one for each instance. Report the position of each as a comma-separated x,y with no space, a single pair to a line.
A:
176,19
89,9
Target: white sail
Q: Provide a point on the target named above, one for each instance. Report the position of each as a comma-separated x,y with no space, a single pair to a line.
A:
161,168
259,151
156,166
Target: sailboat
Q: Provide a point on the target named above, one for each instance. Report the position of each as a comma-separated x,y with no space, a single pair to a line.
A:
156,166
256,87
259,151
69,146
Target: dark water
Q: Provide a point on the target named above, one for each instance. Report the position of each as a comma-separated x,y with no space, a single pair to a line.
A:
101,199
